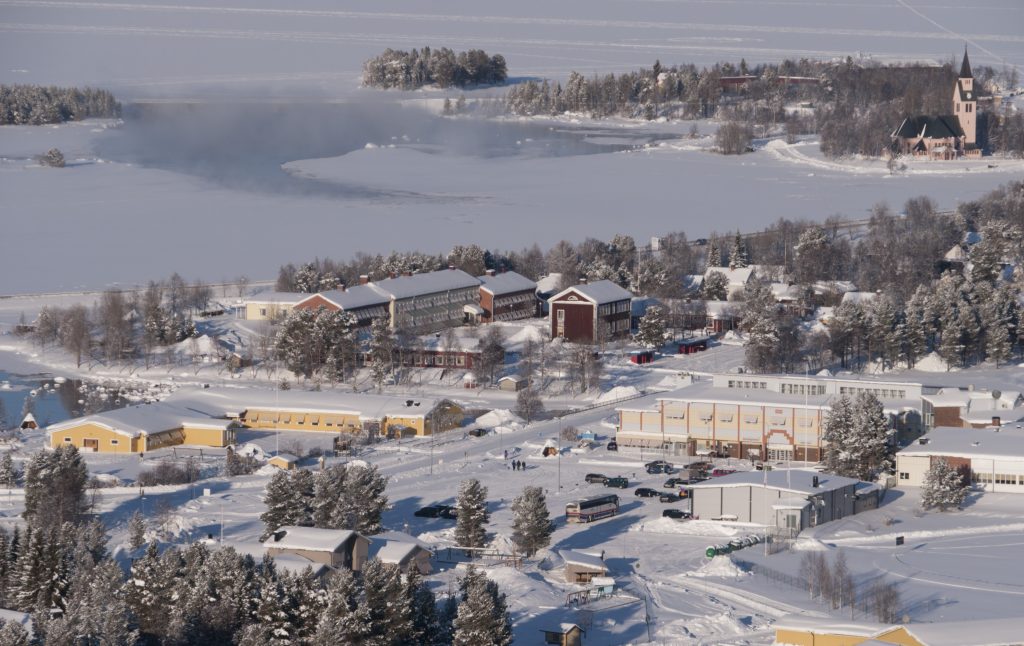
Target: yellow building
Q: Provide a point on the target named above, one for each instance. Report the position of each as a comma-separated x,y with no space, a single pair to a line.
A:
285,461
267,306
803,630
141,428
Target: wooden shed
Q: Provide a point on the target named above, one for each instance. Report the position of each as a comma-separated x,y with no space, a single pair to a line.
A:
581,567
337,548
513,383
566,635
285,461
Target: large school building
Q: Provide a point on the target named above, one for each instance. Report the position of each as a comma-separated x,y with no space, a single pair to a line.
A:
212,418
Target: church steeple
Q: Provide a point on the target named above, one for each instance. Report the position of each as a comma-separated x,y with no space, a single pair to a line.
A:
965,67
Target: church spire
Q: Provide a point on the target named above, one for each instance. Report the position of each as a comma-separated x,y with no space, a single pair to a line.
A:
965,67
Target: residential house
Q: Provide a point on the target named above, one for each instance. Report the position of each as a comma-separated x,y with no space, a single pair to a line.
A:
588,312
402,549
336,548
267,306
568,634
507,296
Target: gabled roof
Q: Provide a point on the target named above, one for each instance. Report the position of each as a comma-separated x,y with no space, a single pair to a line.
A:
396,552
278,297
508,282
355,298
940,127
429,283
599,293
133,421
582,558
737,277
312,539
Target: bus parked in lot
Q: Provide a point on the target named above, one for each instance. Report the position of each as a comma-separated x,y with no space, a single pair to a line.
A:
591,509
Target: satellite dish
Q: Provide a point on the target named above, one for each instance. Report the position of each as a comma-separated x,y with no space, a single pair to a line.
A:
996,394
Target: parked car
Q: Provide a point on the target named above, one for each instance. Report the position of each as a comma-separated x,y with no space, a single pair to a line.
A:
598,478
721,471
449,512
655,469
618,482
613,446
645,492
658,462
672,483
669,497
678,514
430,511
478,432
700,465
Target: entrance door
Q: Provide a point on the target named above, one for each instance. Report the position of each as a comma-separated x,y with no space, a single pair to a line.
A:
91,445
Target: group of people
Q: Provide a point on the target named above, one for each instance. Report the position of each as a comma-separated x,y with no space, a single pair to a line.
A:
518,465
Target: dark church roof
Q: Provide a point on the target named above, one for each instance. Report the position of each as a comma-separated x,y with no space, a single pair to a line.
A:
940,127
965,67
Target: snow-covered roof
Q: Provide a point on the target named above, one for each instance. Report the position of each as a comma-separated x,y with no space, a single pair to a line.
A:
582,558
1000,444
464,339
736,277
506,283
396,552
293,563
277,297
549,283
233,401
356,297
286,457
956,253
833,287
428,283
29,417
978,632
601,581
400,537
598,292
979,406
313,539
722,309
693,282
706,391
798,481
859,298
639,305
512,378
152,418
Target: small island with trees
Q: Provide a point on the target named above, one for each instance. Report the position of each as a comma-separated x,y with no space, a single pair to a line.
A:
441,67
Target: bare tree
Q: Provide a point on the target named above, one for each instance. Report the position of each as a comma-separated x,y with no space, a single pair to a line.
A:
74,332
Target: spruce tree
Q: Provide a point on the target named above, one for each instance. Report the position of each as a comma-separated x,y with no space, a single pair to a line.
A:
13,634
483,613
365,490
856,435
8,472
531,522
422,608
55,487
716,286
738,256
389,604
471,503
714,257
289,501
382,348
651,333
944,487
838,427
346,620
136,530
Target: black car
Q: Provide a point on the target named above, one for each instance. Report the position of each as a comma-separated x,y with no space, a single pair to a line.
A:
449,512
478,432
645,492
658,462
598,478
673,483
669,497
678,514
431,511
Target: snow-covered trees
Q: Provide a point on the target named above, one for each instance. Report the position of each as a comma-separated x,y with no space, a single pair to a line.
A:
36,105
309,341
492,354
531,523
471,503
856,435
944,486
8,472
738,255
651,332
339,497
53,158
528,403
55,487
382,351
136,530
441,66
733,138
716,286
483,613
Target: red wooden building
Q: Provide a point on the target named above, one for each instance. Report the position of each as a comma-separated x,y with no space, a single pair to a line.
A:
507,296
587,311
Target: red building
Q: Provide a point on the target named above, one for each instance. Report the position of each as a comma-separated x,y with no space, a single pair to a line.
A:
507,296
588,311
365,302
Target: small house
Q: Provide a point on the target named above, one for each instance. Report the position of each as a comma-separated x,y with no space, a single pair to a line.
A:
513,383
29,423
641,357
402,549
337,548
550,449
285,461
582,567
469,381
566,635
693,345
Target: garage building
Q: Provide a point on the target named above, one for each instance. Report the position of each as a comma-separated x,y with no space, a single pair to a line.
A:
994,457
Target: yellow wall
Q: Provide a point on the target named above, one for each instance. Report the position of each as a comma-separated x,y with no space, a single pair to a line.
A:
207,436
271,419
896,636
255,311
899,636
106,437
281,463
410,422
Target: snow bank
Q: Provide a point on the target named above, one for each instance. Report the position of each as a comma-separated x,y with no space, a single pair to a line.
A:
617,393
722,566
686,527
932,362
500,417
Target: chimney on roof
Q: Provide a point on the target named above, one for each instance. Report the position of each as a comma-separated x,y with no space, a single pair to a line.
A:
583,280
363,279
814,482
489,272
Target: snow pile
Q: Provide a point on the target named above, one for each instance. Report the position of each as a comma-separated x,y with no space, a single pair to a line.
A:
526,333
501,420
719,566
932,362
731,338
687,527
617,393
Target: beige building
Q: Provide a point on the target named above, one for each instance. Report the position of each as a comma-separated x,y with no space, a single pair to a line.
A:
992,457
268,306
581,567
947,136
804,630
336,548
141,428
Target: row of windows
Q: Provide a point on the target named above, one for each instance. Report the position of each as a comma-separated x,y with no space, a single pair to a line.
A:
440,360
999,478
760,385
423,302
518,298
618,326
881,393
613,308
67,440
803,389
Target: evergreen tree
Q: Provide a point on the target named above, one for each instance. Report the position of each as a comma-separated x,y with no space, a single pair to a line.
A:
883,342
149,587
96,612
761,323
914,332
738,256
651,333
13,634
289,500
350,498
716,286
382,348
944,487
422,610
346,620
714,258
55,487
8,472
483,613
471,503
531,523
390,607
136,530
838,427
857,438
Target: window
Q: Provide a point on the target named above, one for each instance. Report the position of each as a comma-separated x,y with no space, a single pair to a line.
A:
67,440
725,417
904,475
967,107
263,311
751,419
114,442
561,316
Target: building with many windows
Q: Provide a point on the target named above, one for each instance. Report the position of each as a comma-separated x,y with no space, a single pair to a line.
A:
507,296
587,312
992,457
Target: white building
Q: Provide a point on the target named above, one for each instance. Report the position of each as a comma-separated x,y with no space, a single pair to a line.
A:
994,456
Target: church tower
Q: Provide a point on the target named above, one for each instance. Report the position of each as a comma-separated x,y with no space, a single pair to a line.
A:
965,102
